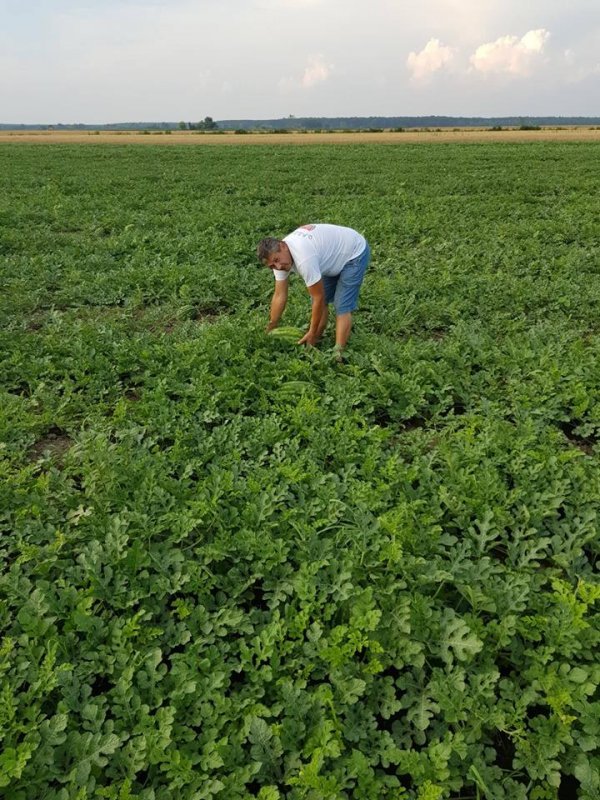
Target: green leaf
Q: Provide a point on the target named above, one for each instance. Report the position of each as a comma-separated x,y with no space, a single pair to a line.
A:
457,640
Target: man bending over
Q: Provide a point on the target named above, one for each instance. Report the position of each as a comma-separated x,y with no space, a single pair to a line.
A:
331,260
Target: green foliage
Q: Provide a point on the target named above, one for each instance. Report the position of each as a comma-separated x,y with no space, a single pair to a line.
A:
235,568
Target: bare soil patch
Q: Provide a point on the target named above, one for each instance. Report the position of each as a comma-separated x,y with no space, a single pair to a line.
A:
585,443
55,443
157,318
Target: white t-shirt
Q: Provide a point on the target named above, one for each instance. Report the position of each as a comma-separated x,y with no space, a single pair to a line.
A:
319,250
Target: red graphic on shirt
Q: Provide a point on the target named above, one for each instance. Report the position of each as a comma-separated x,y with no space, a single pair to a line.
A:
308,227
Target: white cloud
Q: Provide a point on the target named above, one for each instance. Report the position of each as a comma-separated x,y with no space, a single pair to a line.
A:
315,72
577,69
85,61
510,54
433,57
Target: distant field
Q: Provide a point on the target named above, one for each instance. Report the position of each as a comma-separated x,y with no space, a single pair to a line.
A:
573,134
233,568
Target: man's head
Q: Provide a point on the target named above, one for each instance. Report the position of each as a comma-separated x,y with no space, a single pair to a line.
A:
275,254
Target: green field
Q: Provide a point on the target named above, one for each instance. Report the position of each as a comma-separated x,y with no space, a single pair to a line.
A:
234,568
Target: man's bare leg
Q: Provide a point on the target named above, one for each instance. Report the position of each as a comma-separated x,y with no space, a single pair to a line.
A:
343,326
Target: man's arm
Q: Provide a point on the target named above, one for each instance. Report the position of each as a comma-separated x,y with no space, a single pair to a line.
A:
278,303
318,315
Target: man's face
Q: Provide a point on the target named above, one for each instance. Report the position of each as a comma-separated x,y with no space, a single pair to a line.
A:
282,259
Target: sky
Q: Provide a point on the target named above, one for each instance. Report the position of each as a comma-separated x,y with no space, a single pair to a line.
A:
70,61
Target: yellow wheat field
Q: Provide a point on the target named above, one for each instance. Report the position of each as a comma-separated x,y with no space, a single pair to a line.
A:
410,136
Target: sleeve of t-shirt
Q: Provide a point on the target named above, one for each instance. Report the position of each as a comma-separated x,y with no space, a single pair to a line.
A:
280,274
309,270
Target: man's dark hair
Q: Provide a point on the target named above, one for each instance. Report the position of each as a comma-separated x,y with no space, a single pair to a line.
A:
267,247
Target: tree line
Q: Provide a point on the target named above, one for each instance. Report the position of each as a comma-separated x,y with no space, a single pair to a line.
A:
318,123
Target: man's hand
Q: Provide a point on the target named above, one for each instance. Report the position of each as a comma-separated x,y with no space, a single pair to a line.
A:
278,303
308,339
318,317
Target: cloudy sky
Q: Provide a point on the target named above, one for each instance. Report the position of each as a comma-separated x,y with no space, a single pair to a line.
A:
100,61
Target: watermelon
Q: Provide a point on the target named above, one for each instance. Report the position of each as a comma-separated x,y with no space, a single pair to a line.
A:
287,334
293,390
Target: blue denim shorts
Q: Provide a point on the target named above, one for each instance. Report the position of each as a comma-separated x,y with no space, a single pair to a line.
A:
342,290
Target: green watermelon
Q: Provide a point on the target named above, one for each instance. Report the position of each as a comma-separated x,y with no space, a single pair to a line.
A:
287,334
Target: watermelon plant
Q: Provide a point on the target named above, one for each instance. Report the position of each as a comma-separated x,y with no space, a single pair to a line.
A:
234,568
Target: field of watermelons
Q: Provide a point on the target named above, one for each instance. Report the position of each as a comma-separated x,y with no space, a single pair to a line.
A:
233,567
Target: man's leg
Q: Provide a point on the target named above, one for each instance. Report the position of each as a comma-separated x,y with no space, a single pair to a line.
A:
343,326
346,296
330,284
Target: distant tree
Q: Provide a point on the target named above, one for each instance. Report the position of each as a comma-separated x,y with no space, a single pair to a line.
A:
207,124
182,126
